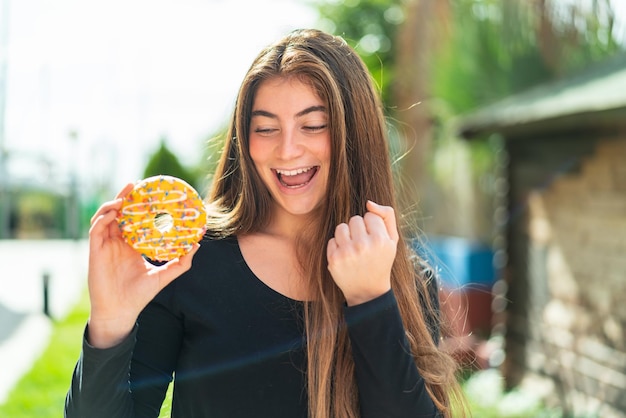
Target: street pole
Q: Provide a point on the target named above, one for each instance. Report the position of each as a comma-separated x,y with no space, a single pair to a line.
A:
73,213
5,192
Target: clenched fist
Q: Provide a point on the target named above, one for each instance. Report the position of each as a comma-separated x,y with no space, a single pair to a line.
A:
361,254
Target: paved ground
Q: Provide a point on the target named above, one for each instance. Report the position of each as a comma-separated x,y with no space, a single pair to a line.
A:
24,329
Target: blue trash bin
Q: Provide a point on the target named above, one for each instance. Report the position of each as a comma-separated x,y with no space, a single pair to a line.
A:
465,270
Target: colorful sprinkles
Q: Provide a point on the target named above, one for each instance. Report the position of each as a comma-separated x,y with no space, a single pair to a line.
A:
162,195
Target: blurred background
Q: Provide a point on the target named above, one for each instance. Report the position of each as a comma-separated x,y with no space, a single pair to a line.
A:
507,130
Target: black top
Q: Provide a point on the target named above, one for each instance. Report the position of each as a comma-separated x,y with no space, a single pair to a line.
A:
237,349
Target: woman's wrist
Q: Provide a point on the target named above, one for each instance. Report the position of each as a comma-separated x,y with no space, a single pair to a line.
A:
107,333
364,297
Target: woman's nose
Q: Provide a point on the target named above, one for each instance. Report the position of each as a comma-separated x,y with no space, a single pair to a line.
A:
289,145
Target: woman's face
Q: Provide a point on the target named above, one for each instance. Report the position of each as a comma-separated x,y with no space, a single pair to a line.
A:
290,144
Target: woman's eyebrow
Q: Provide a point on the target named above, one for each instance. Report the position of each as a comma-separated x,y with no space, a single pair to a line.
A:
310,110
263,113
306,111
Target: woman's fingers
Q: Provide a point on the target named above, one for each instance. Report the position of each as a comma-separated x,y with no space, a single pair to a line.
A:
342,234
379,221
101,227
115,204
174,268
358,230
388,216
125,190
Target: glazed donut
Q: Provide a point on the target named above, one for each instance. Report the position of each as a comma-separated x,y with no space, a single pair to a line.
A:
162,217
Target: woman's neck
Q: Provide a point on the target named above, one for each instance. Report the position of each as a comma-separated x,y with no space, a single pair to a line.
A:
289,226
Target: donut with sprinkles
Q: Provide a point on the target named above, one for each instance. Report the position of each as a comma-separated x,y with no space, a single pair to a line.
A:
162,217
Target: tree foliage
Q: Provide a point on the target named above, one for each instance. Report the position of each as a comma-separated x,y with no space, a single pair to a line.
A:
163,161
369,26
484,49
495,48
438,59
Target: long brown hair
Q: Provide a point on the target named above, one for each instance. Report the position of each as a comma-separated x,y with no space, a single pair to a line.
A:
360,170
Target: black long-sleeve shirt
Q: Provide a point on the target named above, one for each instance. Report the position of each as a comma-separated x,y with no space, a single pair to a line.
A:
237,349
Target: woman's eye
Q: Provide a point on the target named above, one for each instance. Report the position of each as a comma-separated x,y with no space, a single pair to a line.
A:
265,131
315,128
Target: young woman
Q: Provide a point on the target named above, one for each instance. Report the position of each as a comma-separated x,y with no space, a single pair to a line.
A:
303,299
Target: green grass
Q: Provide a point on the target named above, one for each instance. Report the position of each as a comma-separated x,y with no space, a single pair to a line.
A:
41,392
487,398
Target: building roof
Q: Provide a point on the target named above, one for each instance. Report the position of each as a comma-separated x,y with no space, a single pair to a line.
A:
596,98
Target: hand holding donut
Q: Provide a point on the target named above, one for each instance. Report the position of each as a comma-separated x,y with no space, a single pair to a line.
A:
121,282
361,254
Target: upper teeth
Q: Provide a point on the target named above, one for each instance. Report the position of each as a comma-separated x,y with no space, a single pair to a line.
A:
293,172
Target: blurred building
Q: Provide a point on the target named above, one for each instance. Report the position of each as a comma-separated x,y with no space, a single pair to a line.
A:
38,199
564,230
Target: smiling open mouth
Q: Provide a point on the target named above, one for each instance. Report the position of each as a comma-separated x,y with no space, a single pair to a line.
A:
293,179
